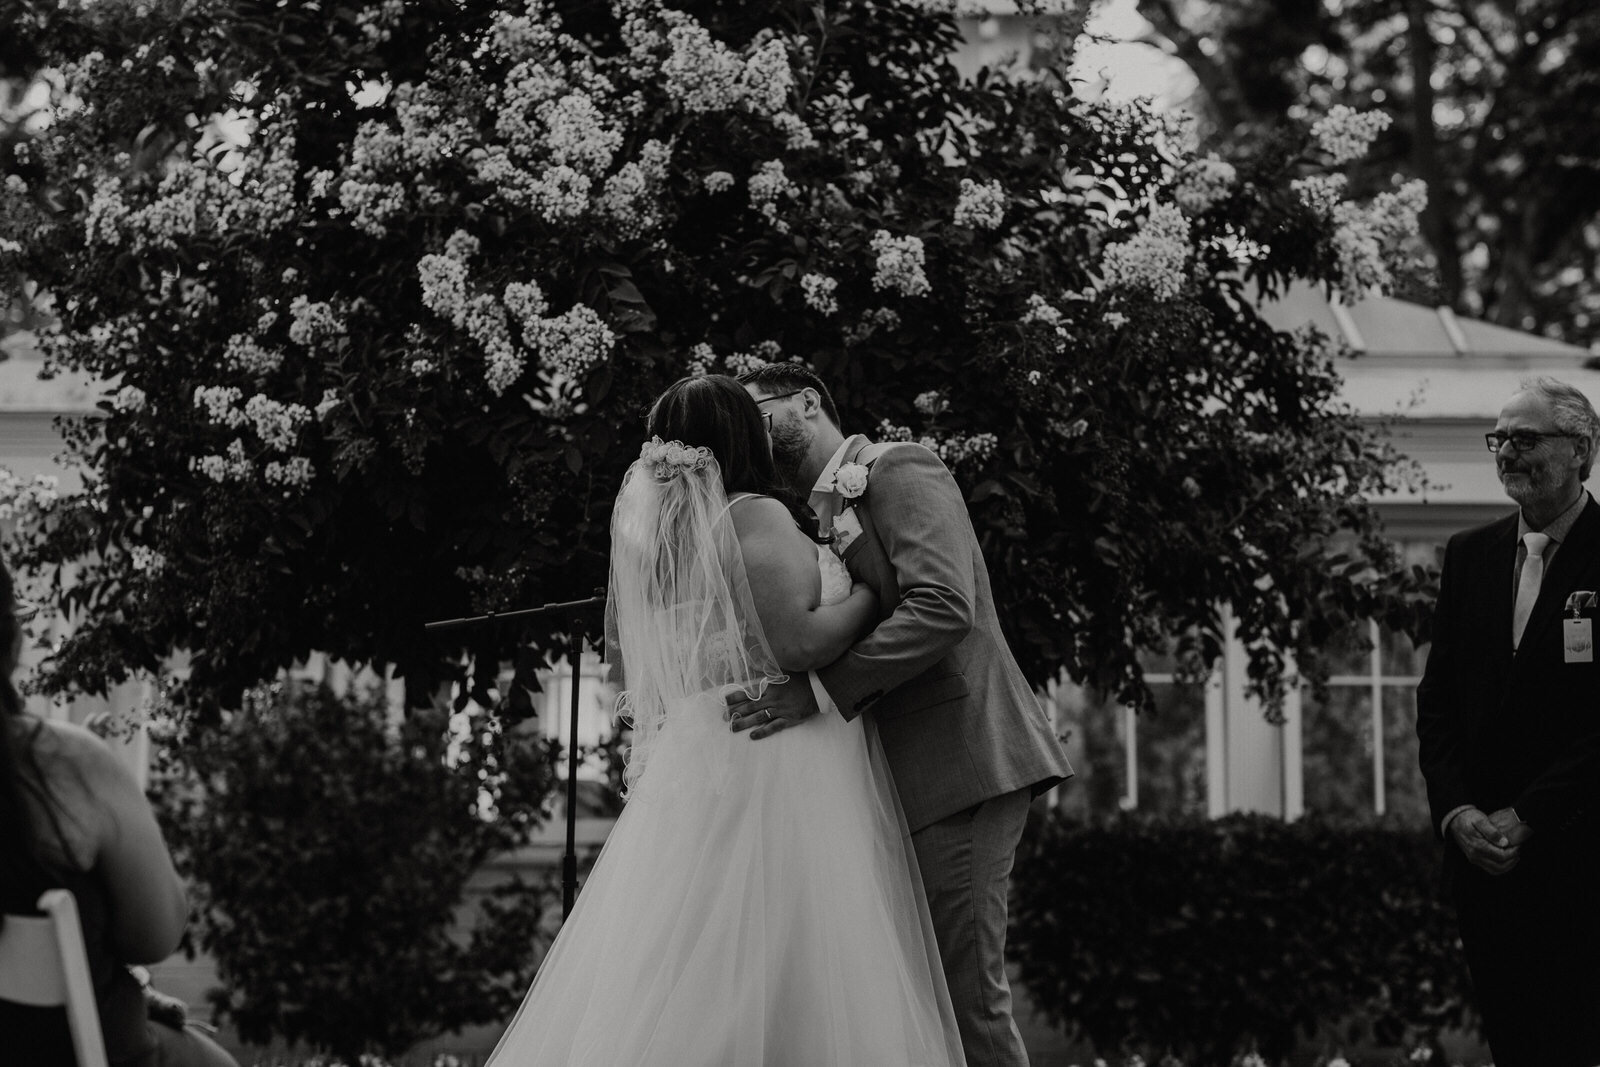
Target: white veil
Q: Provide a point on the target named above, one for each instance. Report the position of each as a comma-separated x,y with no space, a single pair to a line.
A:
679,617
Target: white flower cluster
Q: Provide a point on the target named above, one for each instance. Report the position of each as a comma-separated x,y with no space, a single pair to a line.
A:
888,431
932,402
244,355
129,399
1042,311
1346,134
102,222
263,200
1320,192
1155,259
980,206
963,448
330,400
718,181
820,292
221,404
518,36
318,183
485,320
577,134
574,342
765,352
1203,184
372,204
145,558
871,321
276,423
1371,241
797,136
232,466
561,194
19,498
444,287
526,302
627,203
461,246
431,131
296,473
313,322
529,85
378,23
899,265
701,359
703,75
196,300
767,186
768,79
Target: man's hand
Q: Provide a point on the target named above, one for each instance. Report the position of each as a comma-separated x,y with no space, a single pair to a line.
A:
1486,846
779,708
1512,828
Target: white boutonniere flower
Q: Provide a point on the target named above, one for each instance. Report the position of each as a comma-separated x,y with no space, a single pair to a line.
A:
850,481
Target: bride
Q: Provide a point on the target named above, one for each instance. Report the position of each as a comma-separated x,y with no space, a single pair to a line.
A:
757,902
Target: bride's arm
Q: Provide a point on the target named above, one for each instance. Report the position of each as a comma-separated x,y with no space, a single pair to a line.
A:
781,564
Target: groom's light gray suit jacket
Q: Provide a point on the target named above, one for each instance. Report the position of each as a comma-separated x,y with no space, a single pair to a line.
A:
958,722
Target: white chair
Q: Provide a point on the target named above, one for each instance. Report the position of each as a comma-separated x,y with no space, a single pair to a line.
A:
43,964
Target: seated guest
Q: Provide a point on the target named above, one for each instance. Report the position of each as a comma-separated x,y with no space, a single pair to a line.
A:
72,816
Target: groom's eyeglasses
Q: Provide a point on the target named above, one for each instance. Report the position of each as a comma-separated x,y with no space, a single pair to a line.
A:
766,416
1519,440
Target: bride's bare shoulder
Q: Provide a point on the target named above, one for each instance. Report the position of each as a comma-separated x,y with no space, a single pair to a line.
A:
762,519
754,511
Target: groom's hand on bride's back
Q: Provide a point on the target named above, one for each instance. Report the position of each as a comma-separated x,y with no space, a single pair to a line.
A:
777,709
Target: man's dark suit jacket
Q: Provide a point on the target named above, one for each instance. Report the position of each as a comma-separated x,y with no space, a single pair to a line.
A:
1499,729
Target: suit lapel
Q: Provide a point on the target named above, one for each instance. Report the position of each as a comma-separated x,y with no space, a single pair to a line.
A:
857,443
827,508
1502,557
1575,556
830,504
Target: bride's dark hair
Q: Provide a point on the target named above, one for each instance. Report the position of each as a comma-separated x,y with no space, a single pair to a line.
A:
715,411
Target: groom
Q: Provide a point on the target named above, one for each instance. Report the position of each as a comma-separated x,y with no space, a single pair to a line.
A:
966,740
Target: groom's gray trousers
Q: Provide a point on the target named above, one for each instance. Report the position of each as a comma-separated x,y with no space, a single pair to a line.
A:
965,861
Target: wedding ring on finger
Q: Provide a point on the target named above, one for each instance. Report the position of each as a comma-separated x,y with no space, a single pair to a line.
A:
768,713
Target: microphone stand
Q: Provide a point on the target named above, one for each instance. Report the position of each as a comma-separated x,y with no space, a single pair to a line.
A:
575,610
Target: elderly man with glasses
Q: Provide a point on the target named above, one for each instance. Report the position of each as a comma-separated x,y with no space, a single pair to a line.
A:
1508,715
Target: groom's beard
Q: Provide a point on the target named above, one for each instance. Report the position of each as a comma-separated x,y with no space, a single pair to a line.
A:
789,448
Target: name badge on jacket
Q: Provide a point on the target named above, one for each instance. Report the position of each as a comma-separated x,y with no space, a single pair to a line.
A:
1577,634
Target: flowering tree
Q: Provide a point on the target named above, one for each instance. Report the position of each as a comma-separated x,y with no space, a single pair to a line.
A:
1490,101
380,295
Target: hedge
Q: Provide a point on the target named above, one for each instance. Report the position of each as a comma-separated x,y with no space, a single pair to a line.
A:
1202,939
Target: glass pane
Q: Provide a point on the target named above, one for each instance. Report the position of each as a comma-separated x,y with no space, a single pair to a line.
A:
1337,753
1161,662
1093,728
1405,794
1172,752
1349,652
1397,655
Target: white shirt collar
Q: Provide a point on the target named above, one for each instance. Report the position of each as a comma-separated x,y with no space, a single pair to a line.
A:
824,484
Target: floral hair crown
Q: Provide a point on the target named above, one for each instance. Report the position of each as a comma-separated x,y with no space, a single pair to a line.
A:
668,459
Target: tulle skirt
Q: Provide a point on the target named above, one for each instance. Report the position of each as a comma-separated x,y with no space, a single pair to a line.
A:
756,904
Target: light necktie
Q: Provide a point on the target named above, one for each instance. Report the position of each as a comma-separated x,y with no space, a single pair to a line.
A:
1528,584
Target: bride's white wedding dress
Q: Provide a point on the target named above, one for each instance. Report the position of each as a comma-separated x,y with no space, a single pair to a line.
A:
756,904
